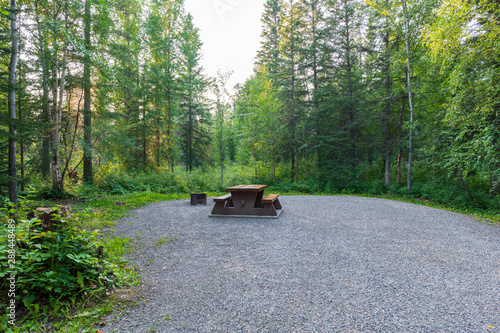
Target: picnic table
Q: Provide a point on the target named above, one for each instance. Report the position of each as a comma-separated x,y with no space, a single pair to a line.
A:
247,201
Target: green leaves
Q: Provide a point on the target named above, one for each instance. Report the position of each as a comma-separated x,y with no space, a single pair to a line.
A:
79,279
56,263
27,301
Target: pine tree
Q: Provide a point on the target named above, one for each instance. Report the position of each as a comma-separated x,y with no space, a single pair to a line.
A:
317,53
291,79
269,54
163,29
192,85
120,90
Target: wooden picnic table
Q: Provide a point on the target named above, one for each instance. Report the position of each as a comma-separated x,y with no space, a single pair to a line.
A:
247,201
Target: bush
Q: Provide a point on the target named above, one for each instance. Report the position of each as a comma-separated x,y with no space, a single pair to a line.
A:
52,265
377,187
52,193
55,265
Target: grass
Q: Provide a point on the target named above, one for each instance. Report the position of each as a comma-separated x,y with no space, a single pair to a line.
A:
103,211
165,240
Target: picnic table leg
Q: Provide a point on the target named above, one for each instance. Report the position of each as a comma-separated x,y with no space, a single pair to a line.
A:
244,202
277,204
220,207
269,210
258,200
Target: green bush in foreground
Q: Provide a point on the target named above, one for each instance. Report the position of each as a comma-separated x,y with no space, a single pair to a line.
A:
55,268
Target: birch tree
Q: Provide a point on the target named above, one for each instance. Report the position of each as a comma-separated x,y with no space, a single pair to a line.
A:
87,112
410,91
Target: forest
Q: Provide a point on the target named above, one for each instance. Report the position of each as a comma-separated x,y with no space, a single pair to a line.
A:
105,104
347,96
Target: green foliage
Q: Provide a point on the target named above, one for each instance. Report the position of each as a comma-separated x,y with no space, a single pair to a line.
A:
54,265
256,120
443,189
168,182
52,193
469,61
59,267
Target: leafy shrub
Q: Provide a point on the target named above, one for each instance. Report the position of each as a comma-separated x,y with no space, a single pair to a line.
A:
56,265
377,187
51,265
52,193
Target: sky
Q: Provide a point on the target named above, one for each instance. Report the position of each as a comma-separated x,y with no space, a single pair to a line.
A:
230,31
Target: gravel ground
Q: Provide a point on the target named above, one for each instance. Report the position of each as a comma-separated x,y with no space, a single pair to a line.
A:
328,264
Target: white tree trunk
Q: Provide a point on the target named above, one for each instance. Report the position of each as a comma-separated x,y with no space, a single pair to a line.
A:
56,116
410,95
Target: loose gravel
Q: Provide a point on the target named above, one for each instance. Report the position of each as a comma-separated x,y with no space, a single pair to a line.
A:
328,264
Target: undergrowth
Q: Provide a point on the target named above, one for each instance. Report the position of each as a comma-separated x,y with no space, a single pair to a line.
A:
64,276
442,190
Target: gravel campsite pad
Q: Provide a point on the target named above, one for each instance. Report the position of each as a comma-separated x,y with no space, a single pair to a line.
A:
328,264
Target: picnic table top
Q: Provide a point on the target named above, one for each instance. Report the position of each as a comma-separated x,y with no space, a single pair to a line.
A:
246,188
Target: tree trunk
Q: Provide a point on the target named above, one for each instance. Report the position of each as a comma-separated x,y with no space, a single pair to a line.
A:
158,139
144,134
494,181
57,95
410,96
12,103
400,138
315,100
21,132
292,120
221,143
352,133
88,176
387,112
462,181
190,135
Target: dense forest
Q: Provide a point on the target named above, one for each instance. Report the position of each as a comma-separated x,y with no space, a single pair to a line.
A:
351,96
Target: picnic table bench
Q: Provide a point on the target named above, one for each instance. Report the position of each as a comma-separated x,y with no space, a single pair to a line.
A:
247,201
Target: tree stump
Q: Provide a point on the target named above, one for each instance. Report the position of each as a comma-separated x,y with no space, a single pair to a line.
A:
49,217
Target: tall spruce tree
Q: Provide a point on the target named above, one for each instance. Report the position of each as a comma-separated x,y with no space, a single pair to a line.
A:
291,79
163,28
269,53
192,85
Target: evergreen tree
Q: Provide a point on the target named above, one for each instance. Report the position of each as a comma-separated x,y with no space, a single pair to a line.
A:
120,91
269,54
192,84
163,28
291,80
